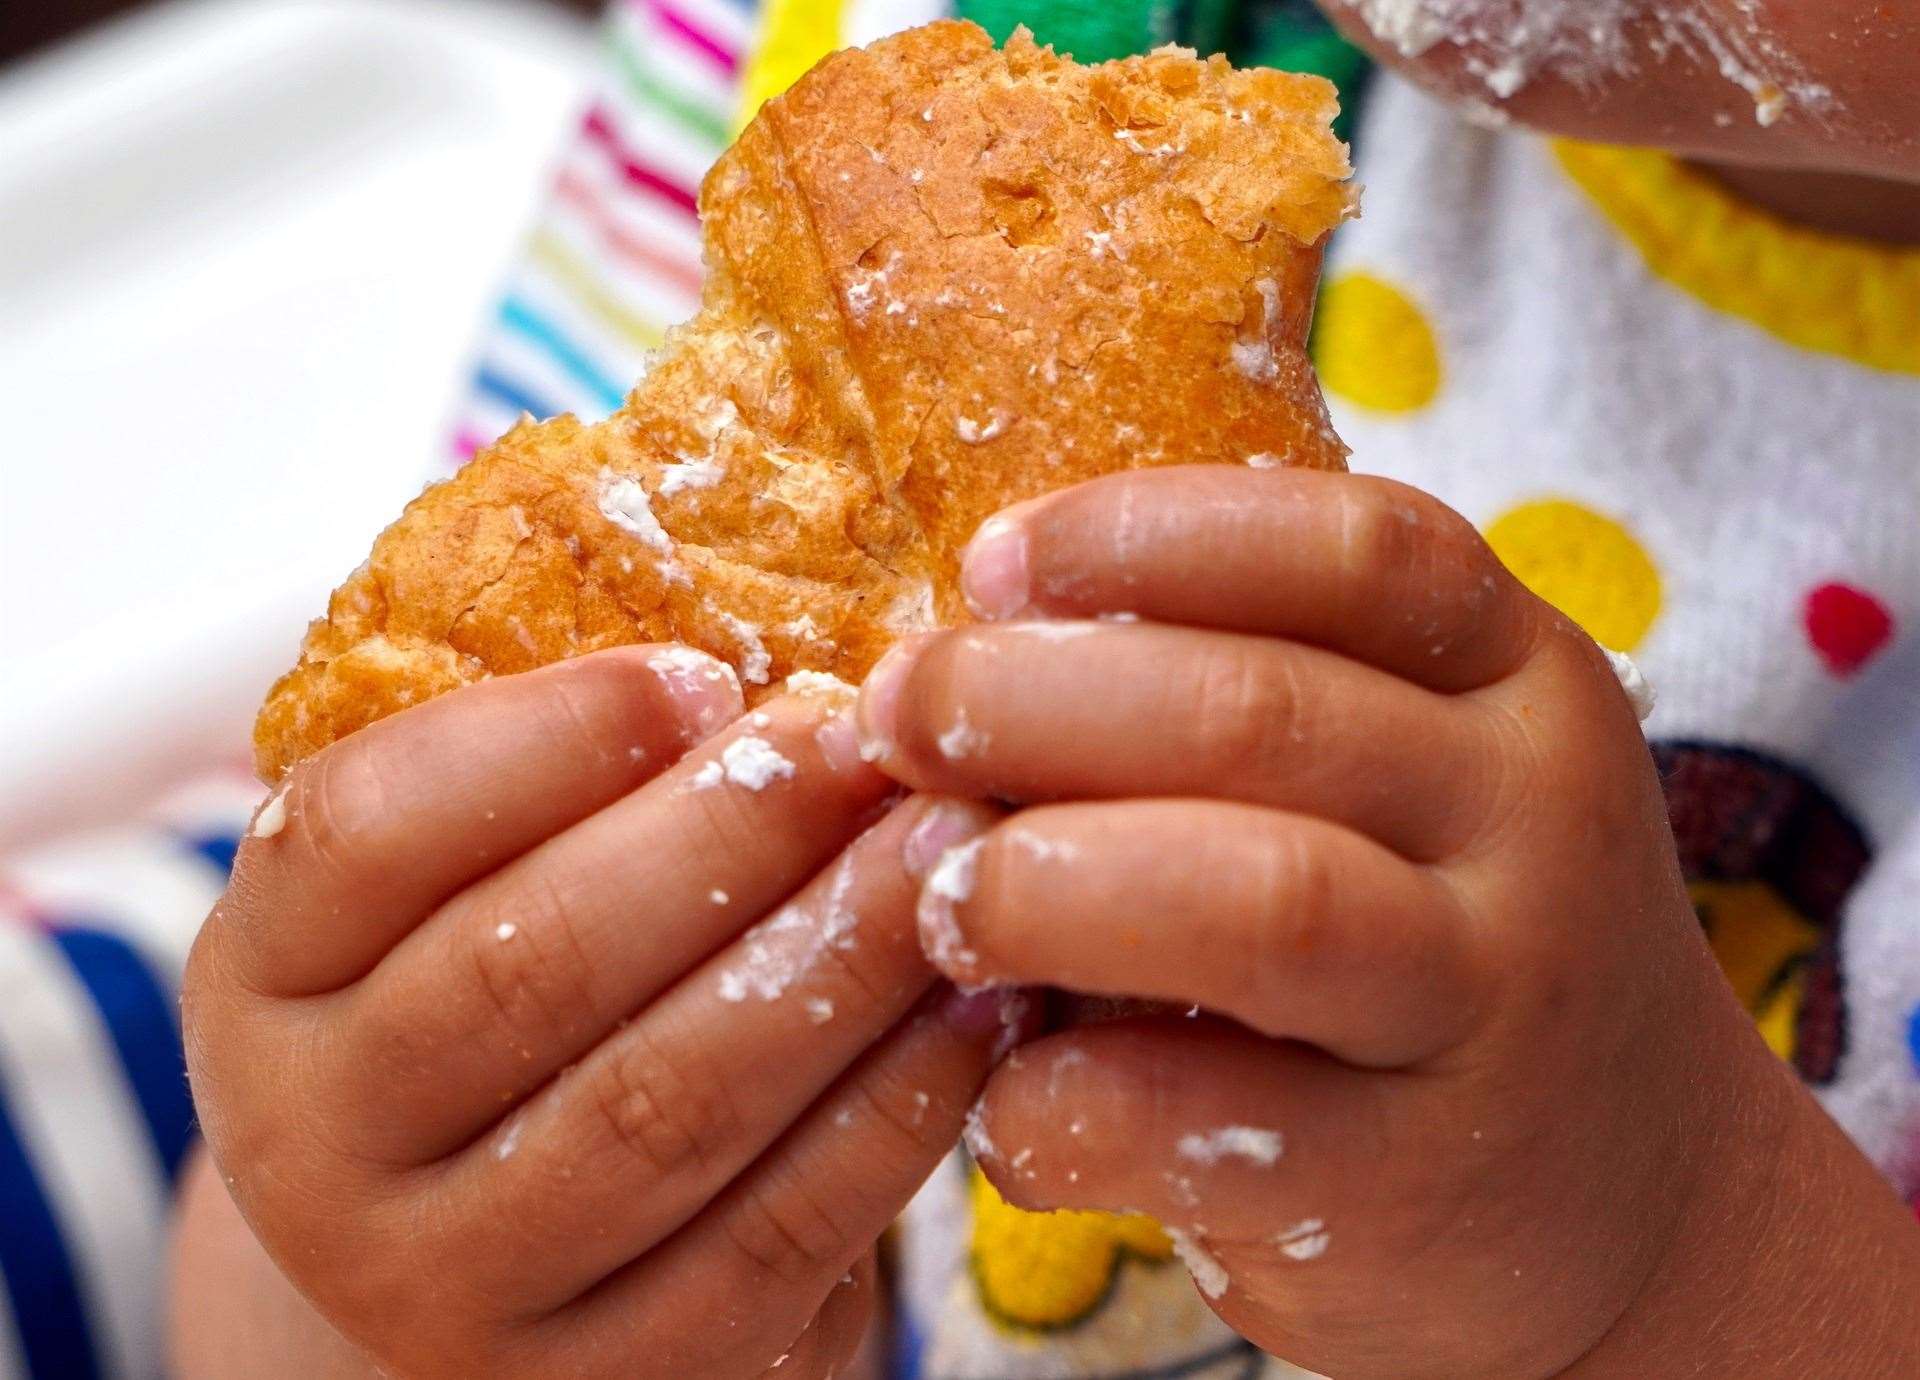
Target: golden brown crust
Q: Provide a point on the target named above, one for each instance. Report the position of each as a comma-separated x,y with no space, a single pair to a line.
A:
943,278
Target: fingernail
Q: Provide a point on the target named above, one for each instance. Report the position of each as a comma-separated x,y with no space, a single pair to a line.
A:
942,827
973,1012
839,742
993,570
704,688
880,702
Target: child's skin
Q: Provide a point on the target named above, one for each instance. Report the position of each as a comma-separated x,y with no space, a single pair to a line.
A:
1852,165
459,1044
1347,785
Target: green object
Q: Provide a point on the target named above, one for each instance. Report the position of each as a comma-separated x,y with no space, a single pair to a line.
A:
1087,30
1287,34
1294,37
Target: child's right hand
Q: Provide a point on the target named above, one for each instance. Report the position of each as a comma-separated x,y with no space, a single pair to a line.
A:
491,1070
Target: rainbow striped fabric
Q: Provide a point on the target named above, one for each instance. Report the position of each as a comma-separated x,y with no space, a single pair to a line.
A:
616,259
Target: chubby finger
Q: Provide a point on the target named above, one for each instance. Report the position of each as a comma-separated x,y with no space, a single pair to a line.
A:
530,968
768,1252
1367,567
365,838
834,1336
1236,1141
1033,712
624,1148
1295,927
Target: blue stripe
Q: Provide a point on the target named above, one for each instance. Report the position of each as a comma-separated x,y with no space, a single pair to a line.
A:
218,849
517,316
37,1270
909,1345
504,390
134,1008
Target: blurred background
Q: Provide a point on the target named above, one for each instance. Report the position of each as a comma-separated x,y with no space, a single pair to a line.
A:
246,250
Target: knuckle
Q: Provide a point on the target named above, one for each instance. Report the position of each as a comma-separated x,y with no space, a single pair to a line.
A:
1292,913
901,1118
784,1231
1251,710
580,707
731,823
536,984
338,801
1384,535
651,1111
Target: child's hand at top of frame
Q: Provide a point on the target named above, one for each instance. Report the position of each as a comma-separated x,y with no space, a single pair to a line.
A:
1474,1099
491,1070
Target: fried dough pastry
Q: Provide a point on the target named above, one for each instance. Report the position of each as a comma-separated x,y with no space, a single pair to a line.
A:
941,278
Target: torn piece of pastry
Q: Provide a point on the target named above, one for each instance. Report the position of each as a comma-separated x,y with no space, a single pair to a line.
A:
941,278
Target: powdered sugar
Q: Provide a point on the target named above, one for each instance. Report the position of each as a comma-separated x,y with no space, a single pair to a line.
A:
624,502
1041,849
1254,1144
701,472
1166,148
754,763
1640,693
755,661
912,611
1207,1272
272,817
1255,358
951,881
789,944
962,739
975,432
1506,43
684,670
866,285
973,1132
819,683
1307,1239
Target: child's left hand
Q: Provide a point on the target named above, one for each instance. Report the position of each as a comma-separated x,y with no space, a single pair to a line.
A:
1483,1104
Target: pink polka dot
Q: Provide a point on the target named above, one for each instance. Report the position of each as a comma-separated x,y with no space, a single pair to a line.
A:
1846,626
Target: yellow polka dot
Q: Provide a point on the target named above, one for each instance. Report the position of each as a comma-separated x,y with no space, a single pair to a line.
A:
1049,1269
1586,565
1373,346
794,35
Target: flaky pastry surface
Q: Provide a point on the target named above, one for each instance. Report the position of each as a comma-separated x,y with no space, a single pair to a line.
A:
941,278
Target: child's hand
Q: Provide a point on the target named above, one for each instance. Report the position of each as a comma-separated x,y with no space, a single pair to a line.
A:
1484,1105
489,1067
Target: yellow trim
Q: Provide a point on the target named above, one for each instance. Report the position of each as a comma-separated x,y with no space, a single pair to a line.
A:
794,35
1826,293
